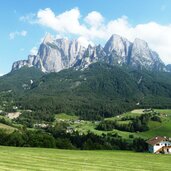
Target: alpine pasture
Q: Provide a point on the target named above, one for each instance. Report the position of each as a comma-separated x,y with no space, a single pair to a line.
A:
43,159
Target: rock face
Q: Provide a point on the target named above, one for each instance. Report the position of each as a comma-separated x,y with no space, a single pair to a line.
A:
118,50
91,55
58,54
142,56
168,67
54,55
30,62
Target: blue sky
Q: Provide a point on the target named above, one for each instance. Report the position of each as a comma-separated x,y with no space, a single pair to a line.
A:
25,22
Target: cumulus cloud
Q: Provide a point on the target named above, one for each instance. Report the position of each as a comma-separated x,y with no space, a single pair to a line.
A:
12,35
34,51
67,22
30,18
94,19
84,41
94,28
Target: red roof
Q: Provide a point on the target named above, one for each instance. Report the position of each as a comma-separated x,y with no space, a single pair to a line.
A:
156,140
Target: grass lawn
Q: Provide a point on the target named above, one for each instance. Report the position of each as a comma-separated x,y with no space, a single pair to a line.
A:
39,159
6,127
156,128
64,116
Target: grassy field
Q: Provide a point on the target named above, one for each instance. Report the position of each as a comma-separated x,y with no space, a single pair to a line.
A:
156,128
39,159
7,128
162,129
64,116
3,126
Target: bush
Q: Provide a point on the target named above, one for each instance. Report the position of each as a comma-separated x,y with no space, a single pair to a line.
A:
156,118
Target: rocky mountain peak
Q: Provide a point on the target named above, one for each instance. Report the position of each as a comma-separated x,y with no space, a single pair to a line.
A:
58,54
140,44
117,44
48,38
143,57
168,67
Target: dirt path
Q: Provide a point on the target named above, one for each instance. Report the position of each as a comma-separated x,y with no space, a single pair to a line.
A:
13,115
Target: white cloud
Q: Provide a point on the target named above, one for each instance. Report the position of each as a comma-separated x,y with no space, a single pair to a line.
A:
67,22
84,41
12,35
34,51
93,28
30,18
94,19
23,33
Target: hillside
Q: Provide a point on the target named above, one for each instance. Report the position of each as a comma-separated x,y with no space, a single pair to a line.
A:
102,90
159,127
20,80
99,91
71,160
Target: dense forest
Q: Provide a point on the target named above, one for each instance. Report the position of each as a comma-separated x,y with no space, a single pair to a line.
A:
97,92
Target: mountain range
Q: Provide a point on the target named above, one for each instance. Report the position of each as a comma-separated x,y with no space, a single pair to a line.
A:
92,82
55,55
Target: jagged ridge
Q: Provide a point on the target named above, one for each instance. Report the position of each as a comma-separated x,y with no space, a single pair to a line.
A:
57,54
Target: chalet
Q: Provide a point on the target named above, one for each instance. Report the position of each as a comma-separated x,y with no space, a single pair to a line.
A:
159,144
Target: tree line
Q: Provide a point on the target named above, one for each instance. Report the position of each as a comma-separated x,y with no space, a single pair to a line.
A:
63,140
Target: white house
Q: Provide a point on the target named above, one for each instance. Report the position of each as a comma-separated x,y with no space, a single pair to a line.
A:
159,144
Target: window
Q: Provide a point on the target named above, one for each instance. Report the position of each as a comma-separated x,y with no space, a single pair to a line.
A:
157,144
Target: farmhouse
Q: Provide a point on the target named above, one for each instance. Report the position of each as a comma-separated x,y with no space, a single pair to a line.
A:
159,144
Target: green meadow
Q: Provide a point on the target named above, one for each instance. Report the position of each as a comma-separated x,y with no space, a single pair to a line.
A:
41,159
155,128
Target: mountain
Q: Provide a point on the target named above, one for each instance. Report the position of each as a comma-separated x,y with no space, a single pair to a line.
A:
143,56
168,67
118,50
55,55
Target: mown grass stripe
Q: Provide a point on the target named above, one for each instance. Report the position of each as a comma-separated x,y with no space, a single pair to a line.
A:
59,160
82,164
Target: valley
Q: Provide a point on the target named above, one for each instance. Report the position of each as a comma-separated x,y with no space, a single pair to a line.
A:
66,126
85,85
102,107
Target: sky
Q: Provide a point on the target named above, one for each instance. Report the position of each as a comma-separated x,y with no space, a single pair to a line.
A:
24,23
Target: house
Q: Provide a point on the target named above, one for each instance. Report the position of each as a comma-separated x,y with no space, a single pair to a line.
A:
69,130
159,144
41,125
